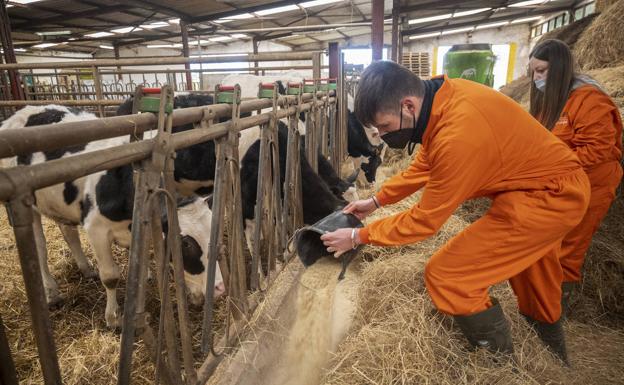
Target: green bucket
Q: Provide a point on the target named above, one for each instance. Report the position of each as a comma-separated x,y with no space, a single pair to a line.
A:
471,61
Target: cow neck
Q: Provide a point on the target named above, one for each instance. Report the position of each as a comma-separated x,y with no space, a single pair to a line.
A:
431,87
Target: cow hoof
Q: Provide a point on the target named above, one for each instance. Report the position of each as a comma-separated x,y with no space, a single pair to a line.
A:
114,322
89,274
56,302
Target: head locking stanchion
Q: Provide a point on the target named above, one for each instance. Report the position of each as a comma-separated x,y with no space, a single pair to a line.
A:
146,215
227,208
311,118
292,211
323,130
267,235
334,146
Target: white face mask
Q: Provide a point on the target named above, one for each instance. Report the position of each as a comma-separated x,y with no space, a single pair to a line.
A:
540,84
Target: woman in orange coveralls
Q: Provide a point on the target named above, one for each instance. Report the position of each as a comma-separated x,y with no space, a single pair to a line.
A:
475,142
578,112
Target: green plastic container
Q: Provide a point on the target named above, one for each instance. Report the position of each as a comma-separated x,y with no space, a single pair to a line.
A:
471,61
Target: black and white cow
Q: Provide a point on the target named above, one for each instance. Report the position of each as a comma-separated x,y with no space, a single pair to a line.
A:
102,203
249,83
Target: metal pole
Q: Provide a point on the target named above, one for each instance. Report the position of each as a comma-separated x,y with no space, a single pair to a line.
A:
97,83
316,65
21,214
9,52
395,31
334,60
7,367
185,52
268,56
254,44
377,29
116,51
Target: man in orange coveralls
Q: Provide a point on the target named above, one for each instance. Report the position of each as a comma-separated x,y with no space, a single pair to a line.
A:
475,142
576,109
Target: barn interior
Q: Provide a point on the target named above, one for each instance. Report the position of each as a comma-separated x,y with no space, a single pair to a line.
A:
285,324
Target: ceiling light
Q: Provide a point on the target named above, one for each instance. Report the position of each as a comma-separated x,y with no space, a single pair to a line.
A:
44,45
271,11
20,49
24,1
424,36
126,29
220,38
157,24
470,12
315,3
239,36
242,16
492,25
174,21
528,3
52,33
107,47
526,19
176,45
430,18
459,30
99,34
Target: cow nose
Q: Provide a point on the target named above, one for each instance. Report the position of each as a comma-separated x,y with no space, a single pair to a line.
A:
219,289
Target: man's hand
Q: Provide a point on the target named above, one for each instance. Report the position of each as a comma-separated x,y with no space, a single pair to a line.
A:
339,241
361,208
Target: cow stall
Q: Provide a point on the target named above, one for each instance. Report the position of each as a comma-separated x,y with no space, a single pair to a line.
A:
167,334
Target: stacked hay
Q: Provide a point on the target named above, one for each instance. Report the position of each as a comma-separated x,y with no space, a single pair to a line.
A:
602,45
518,89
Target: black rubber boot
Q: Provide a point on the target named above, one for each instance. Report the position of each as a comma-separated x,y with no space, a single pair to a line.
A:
566,293
488,329
553,337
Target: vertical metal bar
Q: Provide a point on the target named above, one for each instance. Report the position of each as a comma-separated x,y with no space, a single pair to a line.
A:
97,82
254,45
377,29
334,58
316,65
135,258
9,52
395,31
185,52
8,376
116,52
20,211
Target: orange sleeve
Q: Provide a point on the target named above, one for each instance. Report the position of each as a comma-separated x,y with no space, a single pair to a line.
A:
407,182
595,128
456,174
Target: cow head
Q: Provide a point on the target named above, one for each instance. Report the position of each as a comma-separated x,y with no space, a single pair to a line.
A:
365,143
195,219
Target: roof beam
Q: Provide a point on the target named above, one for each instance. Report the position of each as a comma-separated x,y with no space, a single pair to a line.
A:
157,7
72,15
535,12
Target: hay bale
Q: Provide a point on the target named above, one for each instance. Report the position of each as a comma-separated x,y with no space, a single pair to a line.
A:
518,90
612,81
602,45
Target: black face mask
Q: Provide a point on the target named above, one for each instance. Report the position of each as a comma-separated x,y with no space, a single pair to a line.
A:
399,139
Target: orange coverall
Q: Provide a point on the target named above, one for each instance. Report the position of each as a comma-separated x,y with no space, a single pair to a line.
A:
591,126
479,142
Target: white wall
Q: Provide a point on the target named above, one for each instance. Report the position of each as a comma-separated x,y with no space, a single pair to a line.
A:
518,34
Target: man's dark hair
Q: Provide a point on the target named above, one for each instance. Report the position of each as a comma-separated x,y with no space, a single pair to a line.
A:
381,88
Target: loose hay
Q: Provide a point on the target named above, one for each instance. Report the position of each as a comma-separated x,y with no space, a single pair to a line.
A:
601,45
87,350
399,338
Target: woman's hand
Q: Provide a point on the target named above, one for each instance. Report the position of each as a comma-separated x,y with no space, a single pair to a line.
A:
339,241
361,208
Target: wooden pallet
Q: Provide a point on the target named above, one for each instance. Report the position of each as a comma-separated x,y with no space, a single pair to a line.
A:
417,62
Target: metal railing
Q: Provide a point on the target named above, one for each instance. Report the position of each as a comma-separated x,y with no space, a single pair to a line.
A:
276,219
